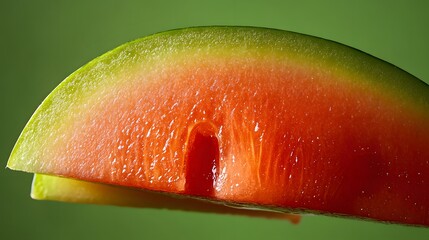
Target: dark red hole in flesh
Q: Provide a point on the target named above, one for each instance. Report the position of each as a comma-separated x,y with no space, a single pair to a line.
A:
202,162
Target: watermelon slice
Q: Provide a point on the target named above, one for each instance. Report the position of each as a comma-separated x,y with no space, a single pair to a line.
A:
47,187
251,117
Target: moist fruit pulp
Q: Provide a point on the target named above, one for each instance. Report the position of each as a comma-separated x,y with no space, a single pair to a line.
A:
333,155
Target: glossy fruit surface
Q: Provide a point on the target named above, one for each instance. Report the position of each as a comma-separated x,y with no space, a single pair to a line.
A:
245,115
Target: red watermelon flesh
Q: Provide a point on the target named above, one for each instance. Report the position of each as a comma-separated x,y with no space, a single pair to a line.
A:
305,130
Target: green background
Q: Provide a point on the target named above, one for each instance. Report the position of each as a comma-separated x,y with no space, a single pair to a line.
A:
44,41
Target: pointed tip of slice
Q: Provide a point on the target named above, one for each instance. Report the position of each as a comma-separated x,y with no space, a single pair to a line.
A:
37,188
